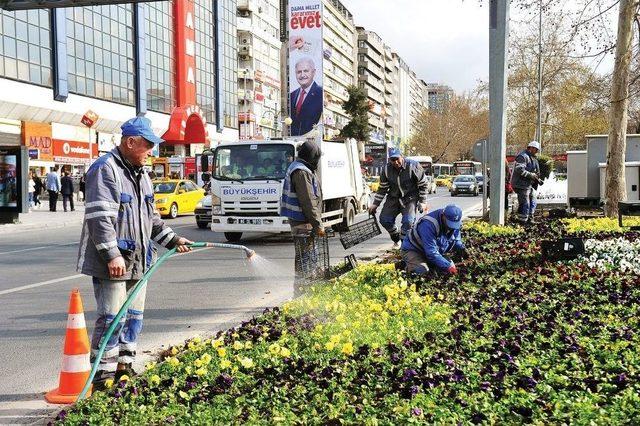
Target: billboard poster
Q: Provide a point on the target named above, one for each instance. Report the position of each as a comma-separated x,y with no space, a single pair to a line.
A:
8,180
305,65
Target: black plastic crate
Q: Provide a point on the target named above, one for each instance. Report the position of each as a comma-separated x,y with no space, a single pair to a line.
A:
563,249
311,258
360,232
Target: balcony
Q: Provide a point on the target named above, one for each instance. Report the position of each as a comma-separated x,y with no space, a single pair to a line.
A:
245,73
245,95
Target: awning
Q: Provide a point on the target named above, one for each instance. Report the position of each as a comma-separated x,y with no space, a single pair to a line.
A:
187,125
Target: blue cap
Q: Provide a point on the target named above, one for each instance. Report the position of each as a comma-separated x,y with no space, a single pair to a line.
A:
453,216
140,126
394,153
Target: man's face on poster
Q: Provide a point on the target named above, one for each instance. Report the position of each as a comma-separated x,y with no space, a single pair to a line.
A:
305,73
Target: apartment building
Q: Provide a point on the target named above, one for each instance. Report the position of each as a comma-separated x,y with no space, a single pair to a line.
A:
438,95
259,65
371,79
339,65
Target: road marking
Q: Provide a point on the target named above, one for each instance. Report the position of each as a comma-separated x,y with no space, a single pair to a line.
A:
36,248
40,284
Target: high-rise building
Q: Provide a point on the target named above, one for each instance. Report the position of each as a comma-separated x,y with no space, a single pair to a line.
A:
339,65
158,58
371,79
259,85
438,96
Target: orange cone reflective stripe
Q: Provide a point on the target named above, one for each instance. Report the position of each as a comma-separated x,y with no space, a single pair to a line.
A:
75,359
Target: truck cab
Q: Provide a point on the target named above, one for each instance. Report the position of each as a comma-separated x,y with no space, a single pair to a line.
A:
246,178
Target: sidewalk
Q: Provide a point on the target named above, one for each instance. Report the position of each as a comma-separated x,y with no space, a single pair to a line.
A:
43,218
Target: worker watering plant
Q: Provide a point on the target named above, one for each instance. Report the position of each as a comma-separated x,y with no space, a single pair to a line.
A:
120,228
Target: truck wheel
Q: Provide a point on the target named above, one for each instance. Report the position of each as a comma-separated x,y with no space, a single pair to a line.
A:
233,237
349,218
173,211
202,225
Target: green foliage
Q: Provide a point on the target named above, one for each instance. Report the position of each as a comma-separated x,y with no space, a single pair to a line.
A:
546,166
357,107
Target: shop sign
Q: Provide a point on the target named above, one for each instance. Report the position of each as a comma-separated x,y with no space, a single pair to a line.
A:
37,136
33,154
72,152
89,118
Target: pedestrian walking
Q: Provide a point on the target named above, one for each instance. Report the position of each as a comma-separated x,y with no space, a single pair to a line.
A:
525,181
53,187
432,239
67,191
404,184
120,227
81,187
37,191
32,190
302,203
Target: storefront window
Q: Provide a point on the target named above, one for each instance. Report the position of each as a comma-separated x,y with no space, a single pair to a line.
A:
25,46
100,46
161,95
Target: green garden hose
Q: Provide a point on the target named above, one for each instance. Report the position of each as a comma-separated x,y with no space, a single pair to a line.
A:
134,291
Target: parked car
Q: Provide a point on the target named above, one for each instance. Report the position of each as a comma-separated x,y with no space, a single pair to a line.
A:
480,180
443,180
464,184
176,196
203,212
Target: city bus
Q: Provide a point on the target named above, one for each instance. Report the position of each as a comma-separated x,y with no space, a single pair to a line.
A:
472,168
442,169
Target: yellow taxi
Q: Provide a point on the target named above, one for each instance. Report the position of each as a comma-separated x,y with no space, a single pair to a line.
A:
176,196
444,180
373,182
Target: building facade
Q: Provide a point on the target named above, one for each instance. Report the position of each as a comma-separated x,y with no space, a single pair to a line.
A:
438,96
157,59
259,70
371,79
339,65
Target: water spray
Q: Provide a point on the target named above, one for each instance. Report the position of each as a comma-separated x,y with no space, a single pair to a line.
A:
134,292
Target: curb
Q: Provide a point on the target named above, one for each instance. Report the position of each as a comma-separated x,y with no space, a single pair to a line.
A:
24,227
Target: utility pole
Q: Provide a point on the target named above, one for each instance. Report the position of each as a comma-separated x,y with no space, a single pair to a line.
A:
498,41
539,123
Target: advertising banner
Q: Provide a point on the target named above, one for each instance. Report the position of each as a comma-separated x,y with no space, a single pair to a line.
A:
8,180
305,65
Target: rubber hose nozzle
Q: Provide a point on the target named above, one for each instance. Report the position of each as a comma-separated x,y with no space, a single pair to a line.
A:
250,253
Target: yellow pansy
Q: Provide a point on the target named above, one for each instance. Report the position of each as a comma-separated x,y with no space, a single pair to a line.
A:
347,348
238,345
201,371
222,352
246,362
225,363
154,380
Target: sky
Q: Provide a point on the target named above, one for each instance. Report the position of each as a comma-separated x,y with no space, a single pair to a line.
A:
443,41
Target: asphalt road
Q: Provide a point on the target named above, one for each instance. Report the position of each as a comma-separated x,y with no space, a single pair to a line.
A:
194,294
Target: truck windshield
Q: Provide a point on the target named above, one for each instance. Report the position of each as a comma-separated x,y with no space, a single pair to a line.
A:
252,162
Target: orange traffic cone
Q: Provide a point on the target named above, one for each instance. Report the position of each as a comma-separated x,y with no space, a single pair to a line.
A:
75,360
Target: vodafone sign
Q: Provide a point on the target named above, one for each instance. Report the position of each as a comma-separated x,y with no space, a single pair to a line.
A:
72,152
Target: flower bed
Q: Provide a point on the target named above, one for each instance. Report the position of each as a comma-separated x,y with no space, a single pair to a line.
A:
509,340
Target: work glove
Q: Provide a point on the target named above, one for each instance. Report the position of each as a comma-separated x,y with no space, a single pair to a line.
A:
452,270
534,177
372,209
320,232
422,208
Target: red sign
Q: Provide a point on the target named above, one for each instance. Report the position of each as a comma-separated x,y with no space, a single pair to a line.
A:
189,166
72,152
89,118
185,48
259,98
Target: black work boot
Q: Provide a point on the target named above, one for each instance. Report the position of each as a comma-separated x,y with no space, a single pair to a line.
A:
395,237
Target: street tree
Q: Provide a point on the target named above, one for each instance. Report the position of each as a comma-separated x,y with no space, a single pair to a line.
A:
450,134
618,114
357,108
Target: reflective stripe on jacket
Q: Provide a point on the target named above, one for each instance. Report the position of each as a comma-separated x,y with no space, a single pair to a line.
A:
289,202
427,237
407,184
120,220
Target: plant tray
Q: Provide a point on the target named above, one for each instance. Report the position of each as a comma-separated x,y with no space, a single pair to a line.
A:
311,258
360,232
563,249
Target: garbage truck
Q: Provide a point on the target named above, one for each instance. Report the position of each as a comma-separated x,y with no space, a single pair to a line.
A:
245,181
